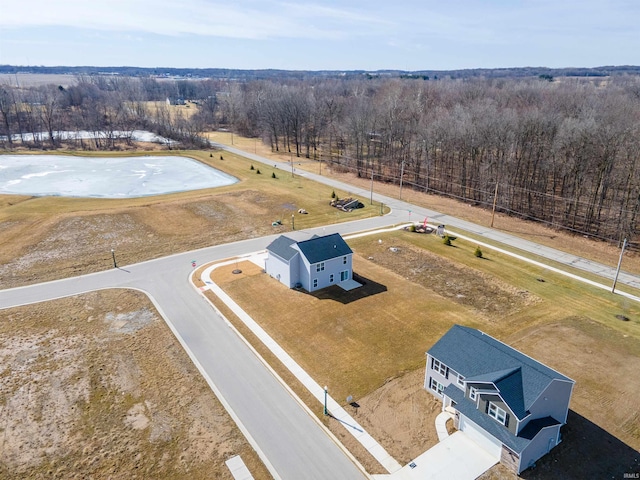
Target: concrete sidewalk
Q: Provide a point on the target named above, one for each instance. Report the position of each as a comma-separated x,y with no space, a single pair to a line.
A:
403,212
432,464
334,408
441,424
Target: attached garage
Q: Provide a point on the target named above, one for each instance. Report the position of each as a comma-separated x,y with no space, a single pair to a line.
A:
491,444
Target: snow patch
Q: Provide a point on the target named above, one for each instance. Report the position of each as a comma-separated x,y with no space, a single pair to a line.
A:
121,177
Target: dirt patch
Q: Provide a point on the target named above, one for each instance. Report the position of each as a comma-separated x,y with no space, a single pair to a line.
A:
463,285
97,386
401,416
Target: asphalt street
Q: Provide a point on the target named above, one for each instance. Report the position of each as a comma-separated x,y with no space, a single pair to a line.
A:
288,438
290,441
406,212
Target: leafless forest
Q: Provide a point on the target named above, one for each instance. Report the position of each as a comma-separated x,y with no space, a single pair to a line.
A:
564,152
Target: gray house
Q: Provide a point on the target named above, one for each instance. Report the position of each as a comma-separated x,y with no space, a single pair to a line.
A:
312,264
509,403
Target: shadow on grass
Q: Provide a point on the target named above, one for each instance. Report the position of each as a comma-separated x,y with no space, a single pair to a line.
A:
368,288
586,451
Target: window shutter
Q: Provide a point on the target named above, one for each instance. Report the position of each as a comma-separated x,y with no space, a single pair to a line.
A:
431,363
446,373
506,420
486,407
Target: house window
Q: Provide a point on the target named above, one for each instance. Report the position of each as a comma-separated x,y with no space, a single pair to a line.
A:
344,260
344,275
320,267
331,278
315,283
440,367
473,393
436,386
496,412
460,380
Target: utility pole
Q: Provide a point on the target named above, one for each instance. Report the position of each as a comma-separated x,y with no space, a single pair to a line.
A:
495,199
371,200
615,280
291,160
401,175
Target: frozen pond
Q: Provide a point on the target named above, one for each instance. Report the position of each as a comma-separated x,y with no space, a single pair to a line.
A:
120,177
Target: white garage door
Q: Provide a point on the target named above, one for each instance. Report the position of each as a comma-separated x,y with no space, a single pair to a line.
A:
482,438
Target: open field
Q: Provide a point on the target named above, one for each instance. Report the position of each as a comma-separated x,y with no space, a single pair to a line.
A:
37,79
370,342
97,386
175,111
46,238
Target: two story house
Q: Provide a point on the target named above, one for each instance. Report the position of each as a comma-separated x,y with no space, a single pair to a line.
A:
311,264
509,403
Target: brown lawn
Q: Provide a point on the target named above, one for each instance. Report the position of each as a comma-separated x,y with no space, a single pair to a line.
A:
370,342
97,386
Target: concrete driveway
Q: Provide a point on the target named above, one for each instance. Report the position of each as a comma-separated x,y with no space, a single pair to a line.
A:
457,456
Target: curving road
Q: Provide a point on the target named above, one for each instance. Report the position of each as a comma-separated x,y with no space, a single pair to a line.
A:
289,440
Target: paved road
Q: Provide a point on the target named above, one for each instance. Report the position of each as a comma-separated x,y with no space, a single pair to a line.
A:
404,212
291,441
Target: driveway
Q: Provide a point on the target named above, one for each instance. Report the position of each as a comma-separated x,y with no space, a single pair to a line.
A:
457,456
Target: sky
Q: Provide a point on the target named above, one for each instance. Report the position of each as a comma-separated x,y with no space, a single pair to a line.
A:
321,35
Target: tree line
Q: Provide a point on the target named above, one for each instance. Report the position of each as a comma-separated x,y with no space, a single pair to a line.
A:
564,152
110,107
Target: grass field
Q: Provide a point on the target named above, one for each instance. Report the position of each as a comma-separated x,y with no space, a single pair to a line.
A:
73,236
97,386
357,342
535,232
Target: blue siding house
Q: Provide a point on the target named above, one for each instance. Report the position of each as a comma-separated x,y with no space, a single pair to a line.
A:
311,264
509,403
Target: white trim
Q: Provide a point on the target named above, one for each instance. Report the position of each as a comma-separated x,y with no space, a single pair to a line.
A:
473,391
440,367
496,414
439,390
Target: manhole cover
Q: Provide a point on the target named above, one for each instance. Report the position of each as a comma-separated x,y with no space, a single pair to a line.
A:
622,317
236,271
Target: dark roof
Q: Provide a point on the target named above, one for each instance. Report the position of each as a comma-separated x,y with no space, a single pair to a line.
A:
281,247
516,443
532,428
480,357
320,249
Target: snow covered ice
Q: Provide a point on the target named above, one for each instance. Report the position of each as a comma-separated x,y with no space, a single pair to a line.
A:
105,177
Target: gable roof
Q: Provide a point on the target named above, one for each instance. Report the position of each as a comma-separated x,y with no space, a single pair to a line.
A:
281,247
516,443
319,249
477,356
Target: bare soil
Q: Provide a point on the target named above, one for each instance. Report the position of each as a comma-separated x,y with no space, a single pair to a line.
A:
97,386
401,416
